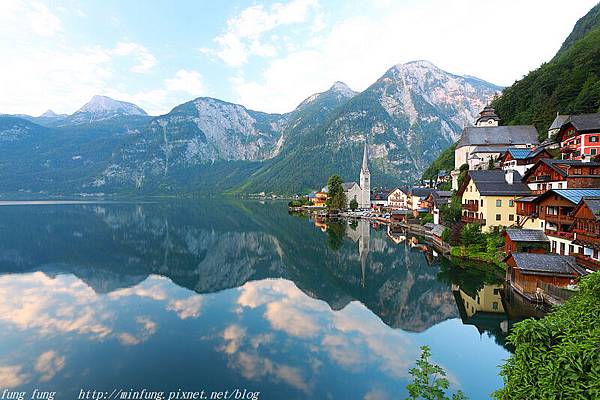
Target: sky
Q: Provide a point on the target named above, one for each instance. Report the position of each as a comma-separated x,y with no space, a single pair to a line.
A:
267,55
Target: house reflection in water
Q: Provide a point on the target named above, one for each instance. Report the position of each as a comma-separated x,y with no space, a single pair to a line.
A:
483,309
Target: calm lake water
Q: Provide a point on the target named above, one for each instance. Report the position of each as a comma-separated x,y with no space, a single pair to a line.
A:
216,295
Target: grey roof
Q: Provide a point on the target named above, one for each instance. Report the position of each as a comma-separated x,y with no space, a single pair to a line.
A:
437,230
527,199
493,182
498,135
527,235
585,122
442,193
490,149
348,185
593,204
531,263
401,212
421,192
558,121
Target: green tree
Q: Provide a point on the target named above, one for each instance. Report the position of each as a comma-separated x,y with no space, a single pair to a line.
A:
337,197
429,380
452,212
353,204
472,238
557,357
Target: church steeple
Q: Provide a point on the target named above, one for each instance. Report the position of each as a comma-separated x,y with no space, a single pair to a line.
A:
365,162
365,182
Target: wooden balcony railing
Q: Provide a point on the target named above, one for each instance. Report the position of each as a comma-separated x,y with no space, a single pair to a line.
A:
587,262
587,237
474,206
560,234
557,219
472,220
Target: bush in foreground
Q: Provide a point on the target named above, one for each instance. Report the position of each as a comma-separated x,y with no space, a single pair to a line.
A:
558,356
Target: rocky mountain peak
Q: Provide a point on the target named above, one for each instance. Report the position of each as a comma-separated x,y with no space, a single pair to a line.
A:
342,88
104,104
51,114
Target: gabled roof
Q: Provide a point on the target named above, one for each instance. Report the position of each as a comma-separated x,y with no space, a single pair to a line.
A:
498,135
593,203
558,121
585,122
523,154
572,195
556,164
348,185
546,264
527,235
493,182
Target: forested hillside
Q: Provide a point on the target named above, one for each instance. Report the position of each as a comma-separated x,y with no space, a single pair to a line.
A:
568,84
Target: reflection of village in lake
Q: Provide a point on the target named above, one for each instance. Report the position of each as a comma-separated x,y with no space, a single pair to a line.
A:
482,299
283,304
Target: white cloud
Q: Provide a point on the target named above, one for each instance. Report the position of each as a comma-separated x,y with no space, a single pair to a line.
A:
186,81
49,364
145,60
28,17
243,36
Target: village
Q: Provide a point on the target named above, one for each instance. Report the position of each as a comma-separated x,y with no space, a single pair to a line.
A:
531,208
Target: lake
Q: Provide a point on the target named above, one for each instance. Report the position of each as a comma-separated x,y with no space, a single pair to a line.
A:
221,295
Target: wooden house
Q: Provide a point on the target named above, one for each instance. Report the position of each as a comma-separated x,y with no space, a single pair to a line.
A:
525,241
525,270
549,174
586,227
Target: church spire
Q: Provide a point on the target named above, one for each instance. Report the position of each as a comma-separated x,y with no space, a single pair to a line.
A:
365,162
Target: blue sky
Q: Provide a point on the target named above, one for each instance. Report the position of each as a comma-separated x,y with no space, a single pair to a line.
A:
267,55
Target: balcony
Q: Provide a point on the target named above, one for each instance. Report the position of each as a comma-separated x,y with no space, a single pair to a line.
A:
541,178
472,220
560,234
587,237
560,219
568,148
587,262
471,206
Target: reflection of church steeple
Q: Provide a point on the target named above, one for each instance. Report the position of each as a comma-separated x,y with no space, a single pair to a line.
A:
363,247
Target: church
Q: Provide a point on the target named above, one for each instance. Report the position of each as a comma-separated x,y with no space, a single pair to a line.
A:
360,191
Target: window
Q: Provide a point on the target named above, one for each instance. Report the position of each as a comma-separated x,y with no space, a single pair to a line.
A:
511,203
511,217
593,152
577,171
571,249
496,292
498,203
498,217
560,185
593,139
495,305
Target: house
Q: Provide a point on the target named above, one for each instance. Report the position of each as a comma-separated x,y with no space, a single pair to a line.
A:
317,199
436,200
482,308
398,198
488,197
521,160
525,241
549,174
552,212
442,177
379,198
586,227
525,270
579,136
418,198
556,125
491,142
361,192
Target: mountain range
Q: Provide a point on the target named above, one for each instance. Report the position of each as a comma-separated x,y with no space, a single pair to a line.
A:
407,117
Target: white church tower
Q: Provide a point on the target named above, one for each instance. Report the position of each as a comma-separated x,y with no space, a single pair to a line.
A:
365,182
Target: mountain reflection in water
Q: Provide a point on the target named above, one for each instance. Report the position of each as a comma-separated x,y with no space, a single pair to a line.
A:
233,294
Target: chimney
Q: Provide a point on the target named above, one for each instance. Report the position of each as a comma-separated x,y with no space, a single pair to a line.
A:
509,176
